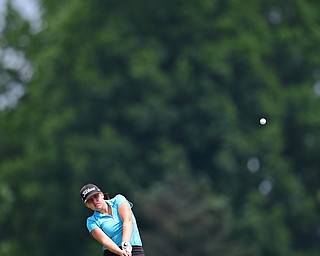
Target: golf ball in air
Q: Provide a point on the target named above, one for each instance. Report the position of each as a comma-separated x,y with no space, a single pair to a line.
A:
263,121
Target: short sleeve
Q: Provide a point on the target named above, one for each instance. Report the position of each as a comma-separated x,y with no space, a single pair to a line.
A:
91,224
119,199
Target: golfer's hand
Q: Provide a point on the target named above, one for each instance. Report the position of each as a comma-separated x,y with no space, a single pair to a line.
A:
127,247
128,252
124,253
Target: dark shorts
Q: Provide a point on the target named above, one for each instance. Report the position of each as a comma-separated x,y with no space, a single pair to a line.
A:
136,251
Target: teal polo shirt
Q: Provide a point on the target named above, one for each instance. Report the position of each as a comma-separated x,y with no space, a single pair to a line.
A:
112,225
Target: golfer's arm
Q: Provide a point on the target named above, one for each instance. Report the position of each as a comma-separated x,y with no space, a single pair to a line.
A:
106,241
126,217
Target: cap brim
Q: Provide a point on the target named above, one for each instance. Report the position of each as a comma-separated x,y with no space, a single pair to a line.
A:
94,193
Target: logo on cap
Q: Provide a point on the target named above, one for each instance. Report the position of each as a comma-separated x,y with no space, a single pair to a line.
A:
88,190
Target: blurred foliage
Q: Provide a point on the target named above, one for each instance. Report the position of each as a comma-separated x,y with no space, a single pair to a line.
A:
161,101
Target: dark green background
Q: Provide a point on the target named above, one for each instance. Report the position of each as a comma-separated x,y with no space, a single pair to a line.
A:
161,101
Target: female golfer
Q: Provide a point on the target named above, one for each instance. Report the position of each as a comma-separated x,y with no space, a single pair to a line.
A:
113,223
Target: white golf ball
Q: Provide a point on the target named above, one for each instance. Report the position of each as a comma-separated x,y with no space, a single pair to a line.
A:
263,121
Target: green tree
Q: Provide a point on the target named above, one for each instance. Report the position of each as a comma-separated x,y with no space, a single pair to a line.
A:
148,98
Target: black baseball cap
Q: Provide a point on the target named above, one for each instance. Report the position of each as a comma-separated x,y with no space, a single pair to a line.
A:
88,190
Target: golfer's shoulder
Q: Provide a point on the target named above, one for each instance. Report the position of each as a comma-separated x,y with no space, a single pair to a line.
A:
119,199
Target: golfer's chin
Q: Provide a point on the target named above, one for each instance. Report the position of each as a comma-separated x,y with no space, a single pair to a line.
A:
98,206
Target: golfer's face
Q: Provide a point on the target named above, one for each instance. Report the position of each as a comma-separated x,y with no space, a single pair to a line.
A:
94,200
